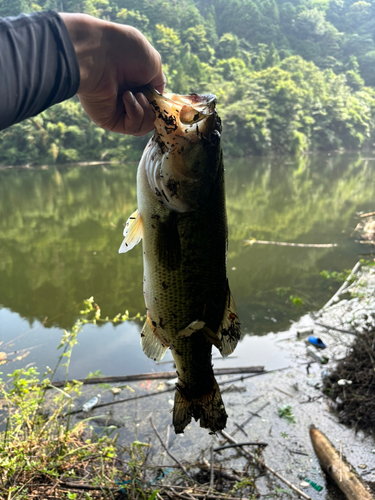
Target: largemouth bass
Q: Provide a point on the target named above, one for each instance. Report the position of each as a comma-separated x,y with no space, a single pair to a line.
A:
181,218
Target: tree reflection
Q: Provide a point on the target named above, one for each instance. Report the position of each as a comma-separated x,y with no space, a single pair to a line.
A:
60,230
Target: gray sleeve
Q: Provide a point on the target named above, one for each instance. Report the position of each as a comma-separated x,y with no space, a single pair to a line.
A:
38,65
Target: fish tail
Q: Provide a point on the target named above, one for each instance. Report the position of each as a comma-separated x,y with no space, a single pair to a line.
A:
208,408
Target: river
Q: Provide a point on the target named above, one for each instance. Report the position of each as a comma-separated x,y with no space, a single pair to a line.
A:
60,230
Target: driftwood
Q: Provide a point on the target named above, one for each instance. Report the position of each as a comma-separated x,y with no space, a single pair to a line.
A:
340,291
155,376
287,244
328,327
338,468
157,393
370,214
249,443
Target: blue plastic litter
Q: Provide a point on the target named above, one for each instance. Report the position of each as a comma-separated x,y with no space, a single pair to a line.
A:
316,341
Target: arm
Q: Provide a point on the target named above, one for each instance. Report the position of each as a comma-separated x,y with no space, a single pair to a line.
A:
38,66
46,58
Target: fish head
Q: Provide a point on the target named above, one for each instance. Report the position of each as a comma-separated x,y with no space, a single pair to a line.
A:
184,155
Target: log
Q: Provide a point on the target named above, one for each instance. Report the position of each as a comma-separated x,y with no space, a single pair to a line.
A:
288,244
336,297
155,376
338,468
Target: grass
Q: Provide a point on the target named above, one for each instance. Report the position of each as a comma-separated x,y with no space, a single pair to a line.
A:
41,451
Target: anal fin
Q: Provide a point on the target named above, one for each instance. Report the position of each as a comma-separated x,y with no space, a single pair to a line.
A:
152,344
133,232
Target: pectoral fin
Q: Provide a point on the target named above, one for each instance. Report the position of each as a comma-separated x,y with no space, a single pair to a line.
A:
133,232
152,344
229,331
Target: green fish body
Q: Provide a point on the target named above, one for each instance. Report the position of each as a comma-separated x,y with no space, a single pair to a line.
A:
181,219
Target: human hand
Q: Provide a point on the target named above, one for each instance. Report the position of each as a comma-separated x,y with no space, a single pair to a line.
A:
114,59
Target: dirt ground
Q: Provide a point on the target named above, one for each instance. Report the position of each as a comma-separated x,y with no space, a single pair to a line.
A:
260,398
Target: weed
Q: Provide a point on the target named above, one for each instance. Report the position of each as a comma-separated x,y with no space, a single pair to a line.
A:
42,453
285,412
340,277
296,301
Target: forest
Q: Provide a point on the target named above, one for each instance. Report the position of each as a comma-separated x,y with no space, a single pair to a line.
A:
290,76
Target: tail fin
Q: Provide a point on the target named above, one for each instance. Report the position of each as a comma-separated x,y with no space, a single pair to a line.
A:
209,409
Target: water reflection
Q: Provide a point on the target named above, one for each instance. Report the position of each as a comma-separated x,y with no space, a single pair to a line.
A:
60,230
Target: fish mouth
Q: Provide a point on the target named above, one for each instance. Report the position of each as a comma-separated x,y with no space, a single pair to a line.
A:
193,107
184,114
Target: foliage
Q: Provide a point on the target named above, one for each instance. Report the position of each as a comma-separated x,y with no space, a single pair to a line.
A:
339,276
285,412
300,70
41,447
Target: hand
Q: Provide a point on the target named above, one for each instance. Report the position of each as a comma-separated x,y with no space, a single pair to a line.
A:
113,59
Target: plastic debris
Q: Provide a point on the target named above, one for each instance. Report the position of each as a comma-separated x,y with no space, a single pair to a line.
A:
89,405
316,342
314,382
304,332
343,381
310,482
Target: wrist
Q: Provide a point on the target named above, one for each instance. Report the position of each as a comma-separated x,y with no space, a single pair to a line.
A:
86,34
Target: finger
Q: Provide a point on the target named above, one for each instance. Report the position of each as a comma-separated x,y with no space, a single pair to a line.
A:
139,117
159,82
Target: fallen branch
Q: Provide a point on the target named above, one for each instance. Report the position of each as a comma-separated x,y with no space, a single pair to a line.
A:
249,443
286,244
370,214
201,493
337,468
206,466
341,290
167,450
260,462
150,394
341,330
155,376
84,486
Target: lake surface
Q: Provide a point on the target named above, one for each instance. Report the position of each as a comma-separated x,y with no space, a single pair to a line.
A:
60,230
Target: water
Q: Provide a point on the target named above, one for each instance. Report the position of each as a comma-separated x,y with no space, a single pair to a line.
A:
60,230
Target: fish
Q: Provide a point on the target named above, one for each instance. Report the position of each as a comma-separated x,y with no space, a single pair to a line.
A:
181,220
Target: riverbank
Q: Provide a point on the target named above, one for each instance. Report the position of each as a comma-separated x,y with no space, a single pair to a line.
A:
132,449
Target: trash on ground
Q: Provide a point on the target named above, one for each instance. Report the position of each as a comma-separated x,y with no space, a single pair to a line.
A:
316,342
89,405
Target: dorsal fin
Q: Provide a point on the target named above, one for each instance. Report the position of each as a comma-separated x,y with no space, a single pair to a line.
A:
133,232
